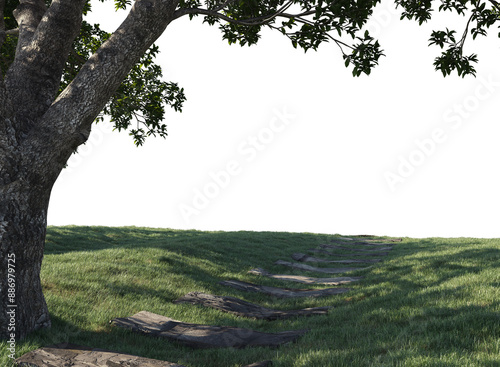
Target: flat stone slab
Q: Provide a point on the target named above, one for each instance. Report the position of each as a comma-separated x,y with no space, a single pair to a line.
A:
304,279
64,355
242,308
355,249
364,244
365,239
330,253
260,364
283,292
316,269
203,336
383,240
306,258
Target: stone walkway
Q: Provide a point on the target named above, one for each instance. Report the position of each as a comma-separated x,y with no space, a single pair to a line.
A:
206,336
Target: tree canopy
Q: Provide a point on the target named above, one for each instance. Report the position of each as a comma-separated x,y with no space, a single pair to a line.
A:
138,106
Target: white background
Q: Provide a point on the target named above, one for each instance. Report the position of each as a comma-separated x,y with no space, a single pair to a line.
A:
356,158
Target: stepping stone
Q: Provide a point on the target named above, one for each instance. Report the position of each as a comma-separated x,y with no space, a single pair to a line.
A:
367,240
203,336
355,249
305,280
325,252
242,308
283,292
384,240
260,364
305,258
319,270
365,244
63,355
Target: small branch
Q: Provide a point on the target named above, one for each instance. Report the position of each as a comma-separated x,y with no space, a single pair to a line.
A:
195,11
263,20
78,57
28,15
247,22
13,32
464,36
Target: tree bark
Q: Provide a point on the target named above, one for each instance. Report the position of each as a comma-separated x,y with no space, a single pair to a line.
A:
40,130
23,222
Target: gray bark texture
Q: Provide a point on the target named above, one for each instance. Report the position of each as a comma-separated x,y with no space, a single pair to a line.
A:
39,130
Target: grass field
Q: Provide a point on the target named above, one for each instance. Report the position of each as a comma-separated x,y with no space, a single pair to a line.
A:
431,302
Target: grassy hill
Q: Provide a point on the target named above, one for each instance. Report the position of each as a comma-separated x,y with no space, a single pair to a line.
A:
431,302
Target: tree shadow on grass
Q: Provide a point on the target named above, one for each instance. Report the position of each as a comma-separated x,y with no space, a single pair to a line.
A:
93,238
428,303
398,311
201,259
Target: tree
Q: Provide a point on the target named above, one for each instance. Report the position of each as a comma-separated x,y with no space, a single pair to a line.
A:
60,73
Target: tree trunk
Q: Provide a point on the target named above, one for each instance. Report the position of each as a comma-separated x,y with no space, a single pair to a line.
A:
23,222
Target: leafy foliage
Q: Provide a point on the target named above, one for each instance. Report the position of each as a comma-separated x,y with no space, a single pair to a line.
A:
481,16
364,56
139,104
141,97
307,24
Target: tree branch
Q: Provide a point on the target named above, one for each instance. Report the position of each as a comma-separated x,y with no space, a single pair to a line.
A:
13,32
247,22
67,122
263,20
28,15
464,35
46,41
